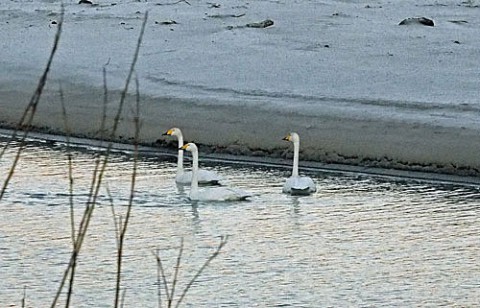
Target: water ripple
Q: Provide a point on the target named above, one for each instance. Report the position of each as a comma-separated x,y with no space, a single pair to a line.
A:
359,241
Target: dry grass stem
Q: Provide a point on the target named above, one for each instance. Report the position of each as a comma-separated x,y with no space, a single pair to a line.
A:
70,164
114,215
175,275
101,161
223,242
161,274
123,226
99,172
102,130
24,298
70,189
28,115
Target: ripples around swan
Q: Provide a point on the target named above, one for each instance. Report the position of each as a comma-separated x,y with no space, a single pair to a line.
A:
358,241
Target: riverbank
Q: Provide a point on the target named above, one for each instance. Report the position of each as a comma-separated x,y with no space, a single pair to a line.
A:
168,151
358,88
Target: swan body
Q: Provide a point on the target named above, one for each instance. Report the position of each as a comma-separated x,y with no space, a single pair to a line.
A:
205,177
295,184
219,193
183,177
299,185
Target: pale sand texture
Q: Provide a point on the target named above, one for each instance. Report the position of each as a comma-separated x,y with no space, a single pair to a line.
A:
378,95
248,131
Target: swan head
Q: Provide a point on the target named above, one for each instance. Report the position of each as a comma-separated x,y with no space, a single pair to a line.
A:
173,132
190,147
292,137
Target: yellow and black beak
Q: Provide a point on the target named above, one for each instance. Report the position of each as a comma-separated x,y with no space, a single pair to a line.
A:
287,137
184,147
168,132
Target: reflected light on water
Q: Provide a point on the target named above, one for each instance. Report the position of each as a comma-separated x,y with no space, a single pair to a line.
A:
359,241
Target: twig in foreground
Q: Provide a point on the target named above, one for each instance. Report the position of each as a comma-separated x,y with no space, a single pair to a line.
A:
161,273
99,173
29,113
223,242
123,227
70,190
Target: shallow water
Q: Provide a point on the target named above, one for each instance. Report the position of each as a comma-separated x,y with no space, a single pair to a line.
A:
359,241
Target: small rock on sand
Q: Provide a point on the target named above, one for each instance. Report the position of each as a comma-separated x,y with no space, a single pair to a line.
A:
262,24
417,21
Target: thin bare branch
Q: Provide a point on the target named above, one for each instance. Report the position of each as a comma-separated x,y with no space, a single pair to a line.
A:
223,241
159,283
70,189
114,215
98,176
129,77
123,227
161,272
24,298
71,281
123,298
103,123
76,249
70,165
26,120
175,275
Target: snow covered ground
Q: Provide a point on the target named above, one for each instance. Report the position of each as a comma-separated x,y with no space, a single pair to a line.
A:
356,86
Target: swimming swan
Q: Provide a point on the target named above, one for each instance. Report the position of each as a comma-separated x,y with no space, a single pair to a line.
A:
185,177
219,193
297,185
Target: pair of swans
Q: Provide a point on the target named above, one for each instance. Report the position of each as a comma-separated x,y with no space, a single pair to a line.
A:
294,185
199,176
183,177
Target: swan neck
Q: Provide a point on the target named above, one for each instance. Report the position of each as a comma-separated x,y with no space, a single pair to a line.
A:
180,156
296,153
194,185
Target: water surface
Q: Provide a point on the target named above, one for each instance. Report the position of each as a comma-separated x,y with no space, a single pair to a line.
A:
359,241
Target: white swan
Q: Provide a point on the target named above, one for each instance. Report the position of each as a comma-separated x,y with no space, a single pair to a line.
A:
297,185
218,193
205,177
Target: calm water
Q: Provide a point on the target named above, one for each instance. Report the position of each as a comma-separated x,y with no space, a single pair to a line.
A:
359,241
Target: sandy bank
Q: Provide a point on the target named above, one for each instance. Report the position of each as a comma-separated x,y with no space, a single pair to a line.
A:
357,87
255,131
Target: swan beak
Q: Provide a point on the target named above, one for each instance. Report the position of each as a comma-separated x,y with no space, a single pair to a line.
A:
287,138
183,147
168,132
